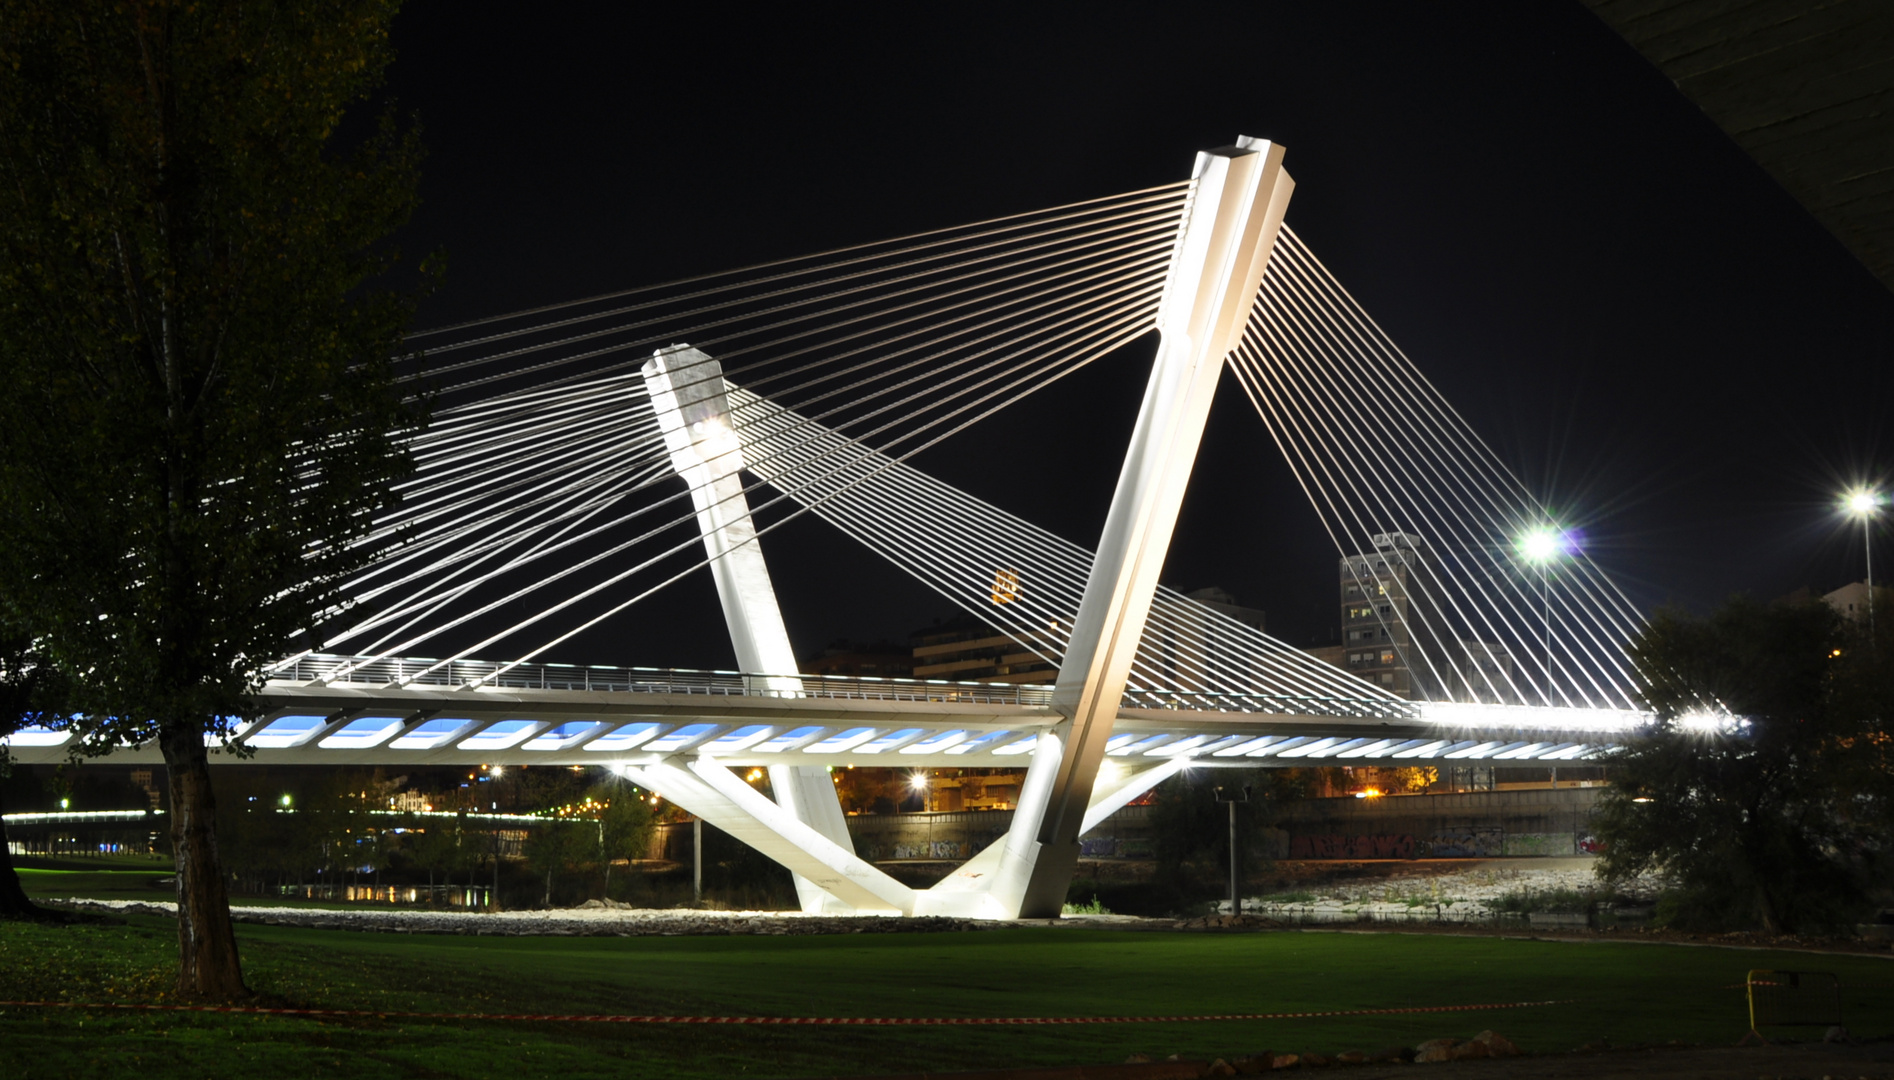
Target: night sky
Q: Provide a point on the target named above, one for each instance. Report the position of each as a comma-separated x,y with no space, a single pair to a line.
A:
1662,343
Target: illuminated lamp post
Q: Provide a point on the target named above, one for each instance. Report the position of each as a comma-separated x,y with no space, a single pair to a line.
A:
1864,504
1540,546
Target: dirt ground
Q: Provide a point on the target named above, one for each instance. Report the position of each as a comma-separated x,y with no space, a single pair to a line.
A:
1789,1061
1782,1061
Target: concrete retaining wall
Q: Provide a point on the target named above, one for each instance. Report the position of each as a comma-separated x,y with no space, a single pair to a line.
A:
1470,824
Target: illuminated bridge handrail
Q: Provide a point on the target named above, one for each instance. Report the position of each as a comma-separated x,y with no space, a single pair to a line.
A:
406,672
1287,704
466,674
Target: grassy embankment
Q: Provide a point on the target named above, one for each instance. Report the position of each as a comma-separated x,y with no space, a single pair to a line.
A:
1627,993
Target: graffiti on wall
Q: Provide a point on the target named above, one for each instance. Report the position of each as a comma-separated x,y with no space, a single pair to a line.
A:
1116,847
1453,842
932,849
1465,842
1382,846
876,848
1540,844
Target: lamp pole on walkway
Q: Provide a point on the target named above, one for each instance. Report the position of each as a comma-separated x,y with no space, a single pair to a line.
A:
1232,795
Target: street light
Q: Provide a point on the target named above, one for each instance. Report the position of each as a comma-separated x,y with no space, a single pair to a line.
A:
1232,795
1540,546
1864,503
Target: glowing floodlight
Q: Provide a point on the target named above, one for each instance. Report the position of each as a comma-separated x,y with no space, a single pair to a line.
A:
918,781
1542,544
1862,503
1706,722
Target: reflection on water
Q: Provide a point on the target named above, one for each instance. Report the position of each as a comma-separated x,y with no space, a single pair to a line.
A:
447,896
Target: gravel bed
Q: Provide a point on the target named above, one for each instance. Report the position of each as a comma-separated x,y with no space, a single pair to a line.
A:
1469,895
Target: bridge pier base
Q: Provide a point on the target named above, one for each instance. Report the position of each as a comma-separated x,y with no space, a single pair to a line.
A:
719,796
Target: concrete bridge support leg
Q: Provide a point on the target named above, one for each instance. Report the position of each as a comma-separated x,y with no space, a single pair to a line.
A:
717,795
1222,251
992,884
693,411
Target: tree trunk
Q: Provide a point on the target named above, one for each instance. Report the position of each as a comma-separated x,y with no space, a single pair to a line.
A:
207,943
13,901
1766,911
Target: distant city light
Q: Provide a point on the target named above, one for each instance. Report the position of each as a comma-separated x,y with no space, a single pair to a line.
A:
1704,722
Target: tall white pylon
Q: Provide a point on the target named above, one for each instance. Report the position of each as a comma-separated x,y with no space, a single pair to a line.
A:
1236,211
693,411
1237,204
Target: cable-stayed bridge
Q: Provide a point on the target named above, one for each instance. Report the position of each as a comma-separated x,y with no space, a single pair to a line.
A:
587,456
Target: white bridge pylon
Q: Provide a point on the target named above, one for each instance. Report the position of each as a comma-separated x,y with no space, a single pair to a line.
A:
1222,248
693,412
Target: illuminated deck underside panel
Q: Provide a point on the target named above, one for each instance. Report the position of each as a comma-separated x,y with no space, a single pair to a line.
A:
891,723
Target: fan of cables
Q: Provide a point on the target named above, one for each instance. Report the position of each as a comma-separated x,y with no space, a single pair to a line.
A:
544,504
1028,582
1451,567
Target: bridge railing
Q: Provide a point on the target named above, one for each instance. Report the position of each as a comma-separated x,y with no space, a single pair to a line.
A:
1286,704
322,668
403,672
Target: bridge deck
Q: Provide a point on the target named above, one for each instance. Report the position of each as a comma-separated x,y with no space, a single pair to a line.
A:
558,715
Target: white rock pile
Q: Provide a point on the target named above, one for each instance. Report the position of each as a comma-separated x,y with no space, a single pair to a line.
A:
1469,895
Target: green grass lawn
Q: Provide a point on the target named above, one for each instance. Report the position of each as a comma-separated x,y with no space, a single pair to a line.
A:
1627,993
100,884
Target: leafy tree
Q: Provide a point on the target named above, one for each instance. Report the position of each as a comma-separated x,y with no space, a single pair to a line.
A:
556,844
202,417
435,847
1781,816
30,695
1189,827
266,833
625,824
